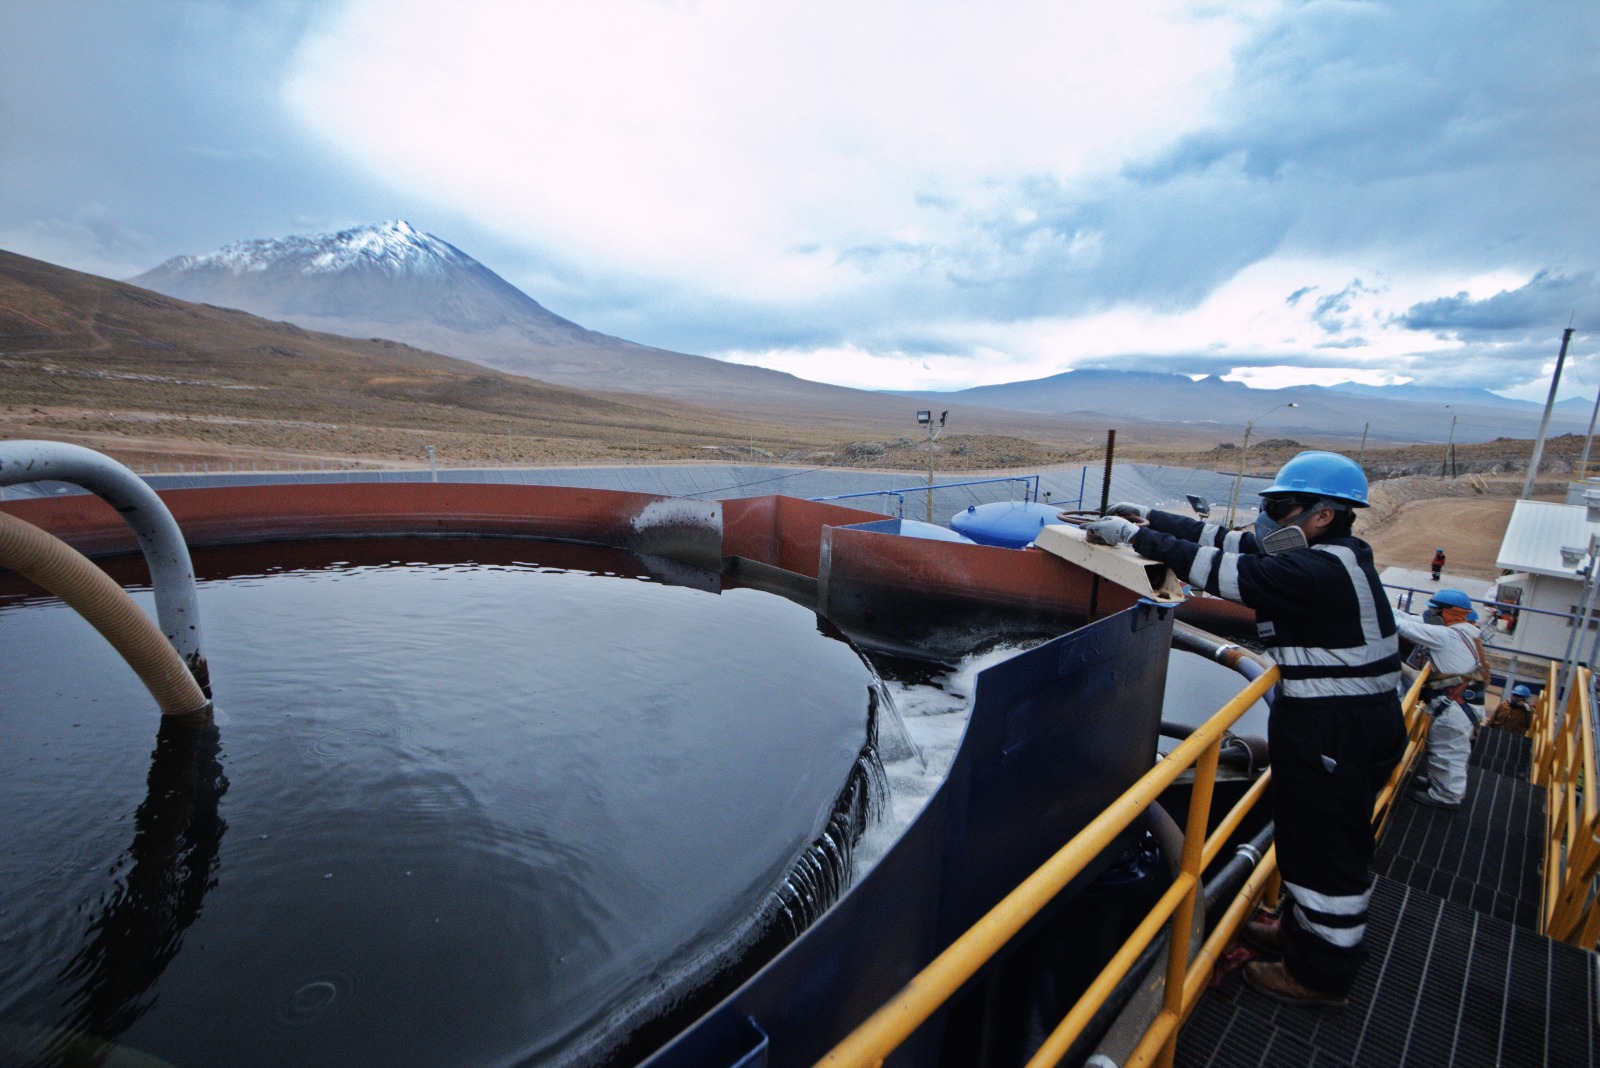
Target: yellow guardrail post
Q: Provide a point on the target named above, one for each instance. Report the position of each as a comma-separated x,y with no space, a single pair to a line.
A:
1544,731
882,1032
1571,911
1418,722
1194,836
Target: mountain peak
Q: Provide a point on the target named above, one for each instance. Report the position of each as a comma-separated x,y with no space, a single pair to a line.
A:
395,247
355,280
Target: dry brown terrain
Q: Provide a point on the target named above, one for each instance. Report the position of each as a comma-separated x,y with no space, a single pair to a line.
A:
1470,529
1412,516
158,382
152,380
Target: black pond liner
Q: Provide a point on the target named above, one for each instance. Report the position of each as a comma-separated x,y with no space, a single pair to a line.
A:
163,878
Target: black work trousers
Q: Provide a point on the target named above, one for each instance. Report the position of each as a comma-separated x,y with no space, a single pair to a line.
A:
1329,762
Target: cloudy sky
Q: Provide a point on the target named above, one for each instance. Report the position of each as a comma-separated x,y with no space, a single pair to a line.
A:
881,194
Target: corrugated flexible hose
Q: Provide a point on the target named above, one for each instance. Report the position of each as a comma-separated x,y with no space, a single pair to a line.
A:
69,575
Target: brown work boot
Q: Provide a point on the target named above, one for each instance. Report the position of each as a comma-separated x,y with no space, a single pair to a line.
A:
1274,980
1267,935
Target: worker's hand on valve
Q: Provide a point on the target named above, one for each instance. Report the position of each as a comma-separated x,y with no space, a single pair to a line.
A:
1111,530
1129,510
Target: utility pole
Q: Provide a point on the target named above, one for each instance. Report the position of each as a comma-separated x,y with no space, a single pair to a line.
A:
1544,424
1361,459
1449,467
1245,451
926,420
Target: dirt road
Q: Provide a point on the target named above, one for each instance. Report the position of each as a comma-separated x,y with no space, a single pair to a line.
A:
1469,528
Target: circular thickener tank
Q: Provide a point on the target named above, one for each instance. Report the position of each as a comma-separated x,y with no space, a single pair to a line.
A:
461,802
1008,524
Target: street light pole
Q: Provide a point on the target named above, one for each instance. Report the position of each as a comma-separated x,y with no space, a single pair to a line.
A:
1544,423
934,430
1245,451
1450,448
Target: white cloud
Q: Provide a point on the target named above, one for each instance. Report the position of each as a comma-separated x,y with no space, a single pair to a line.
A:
1248,328
747,146
889,194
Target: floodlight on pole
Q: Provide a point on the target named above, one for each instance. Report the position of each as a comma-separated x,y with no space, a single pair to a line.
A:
1245,451
934,430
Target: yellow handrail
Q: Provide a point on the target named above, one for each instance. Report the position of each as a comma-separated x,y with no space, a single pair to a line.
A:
1563,763
1584,471
884,1031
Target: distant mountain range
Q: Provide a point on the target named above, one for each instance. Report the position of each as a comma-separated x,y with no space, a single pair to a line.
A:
1404,413
392,281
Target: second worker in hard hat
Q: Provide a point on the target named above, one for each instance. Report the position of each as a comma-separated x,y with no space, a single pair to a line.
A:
1335,730
1448,641
1515,711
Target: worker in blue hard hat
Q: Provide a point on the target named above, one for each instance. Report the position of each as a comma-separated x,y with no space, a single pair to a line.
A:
1445,639
1335,730
1515,712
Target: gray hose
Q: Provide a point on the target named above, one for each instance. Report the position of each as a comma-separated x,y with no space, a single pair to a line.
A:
1142,991
1252,665
165,552
1137,999
1138,995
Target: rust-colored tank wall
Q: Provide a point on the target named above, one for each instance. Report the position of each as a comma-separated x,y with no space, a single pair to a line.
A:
923,594
944,596
785,532
683,529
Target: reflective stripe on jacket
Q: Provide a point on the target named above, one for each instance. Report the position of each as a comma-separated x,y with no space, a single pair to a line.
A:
1321,610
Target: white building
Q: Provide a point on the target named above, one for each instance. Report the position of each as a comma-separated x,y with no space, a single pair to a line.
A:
1544,550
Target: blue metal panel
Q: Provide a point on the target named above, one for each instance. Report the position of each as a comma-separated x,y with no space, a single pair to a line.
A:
1056,733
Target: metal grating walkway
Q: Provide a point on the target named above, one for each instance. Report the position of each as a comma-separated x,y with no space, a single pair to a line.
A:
1458,974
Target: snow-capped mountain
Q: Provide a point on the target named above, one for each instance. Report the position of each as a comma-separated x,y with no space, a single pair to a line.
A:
390,280
384,273
395,247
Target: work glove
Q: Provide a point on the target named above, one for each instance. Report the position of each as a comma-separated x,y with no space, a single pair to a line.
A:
1129,510
1111,530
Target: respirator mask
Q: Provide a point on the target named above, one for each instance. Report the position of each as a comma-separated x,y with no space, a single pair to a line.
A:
1273,534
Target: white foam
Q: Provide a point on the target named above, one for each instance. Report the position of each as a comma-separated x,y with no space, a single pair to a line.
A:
935,715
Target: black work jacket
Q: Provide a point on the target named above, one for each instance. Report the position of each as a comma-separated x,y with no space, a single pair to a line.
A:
1321,610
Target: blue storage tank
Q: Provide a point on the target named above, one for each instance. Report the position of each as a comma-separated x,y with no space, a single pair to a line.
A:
912,528
1008,524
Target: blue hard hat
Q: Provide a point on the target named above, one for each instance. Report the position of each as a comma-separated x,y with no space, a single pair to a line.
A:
1450,598
1520,690
1472,615
1322,474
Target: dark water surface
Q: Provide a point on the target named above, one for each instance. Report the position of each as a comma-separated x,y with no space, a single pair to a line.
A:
447,813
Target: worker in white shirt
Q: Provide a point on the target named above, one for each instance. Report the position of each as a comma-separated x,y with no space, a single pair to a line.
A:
1445,638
